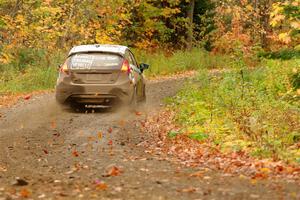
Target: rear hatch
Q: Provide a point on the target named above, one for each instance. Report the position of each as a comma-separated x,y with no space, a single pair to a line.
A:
95,68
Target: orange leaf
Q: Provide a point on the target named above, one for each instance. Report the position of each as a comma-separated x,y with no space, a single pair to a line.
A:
24,193
53,124
113,171
101,186
138,113
100,135
75,153
27,97
260,176
45,151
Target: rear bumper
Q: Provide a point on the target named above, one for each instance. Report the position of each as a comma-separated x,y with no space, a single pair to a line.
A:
66,91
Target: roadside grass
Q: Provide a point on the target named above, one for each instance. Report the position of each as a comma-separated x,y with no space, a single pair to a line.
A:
36,69
255,110
32,79
179,61
33,70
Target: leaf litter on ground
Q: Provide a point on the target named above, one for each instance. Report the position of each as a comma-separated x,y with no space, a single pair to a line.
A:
100,135
100,185
75,153
24,193
199,153
27,97
113,170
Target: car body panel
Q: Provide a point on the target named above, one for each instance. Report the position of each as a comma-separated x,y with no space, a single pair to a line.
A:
90,83
118,49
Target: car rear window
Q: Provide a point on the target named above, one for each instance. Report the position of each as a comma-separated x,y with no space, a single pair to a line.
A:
95,61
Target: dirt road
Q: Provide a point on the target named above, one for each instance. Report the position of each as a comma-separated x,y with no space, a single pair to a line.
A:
66,155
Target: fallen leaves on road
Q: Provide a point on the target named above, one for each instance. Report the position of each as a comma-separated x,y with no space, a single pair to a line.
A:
100,185
27,97
113,170
260,176
75,153
24,193
100,135
11,99
110,130
45,151
207,155
138,113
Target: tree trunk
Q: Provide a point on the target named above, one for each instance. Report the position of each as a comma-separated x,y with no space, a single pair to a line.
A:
265,25
190,16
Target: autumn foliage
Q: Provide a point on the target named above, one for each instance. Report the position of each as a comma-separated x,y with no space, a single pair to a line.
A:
38,28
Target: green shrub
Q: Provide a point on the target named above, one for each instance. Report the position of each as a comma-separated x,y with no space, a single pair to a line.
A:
173,133
295,79
285,54
247,109
199,136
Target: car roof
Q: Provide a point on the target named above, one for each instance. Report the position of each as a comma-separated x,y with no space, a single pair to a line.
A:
117,49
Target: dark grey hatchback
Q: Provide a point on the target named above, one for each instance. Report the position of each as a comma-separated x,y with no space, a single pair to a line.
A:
102,76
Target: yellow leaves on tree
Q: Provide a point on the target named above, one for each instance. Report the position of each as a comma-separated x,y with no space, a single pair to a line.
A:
285,37
285,16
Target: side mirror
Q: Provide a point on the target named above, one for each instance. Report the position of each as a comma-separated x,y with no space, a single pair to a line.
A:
143,66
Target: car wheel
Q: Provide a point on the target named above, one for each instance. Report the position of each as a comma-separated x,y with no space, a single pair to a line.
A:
77,106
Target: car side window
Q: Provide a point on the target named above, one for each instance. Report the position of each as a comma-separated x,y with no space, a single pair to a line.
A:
128,57
133,61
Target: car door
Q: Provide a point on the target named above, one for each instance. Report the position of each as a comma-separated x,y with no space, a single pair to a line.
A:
137,75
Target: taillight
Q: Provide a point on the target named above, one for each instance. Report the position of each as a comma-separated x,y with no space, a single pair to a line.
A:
126,66
64,68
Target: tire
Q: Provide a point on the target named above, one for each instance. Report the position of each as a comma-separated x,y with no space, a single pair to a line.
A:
77,107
